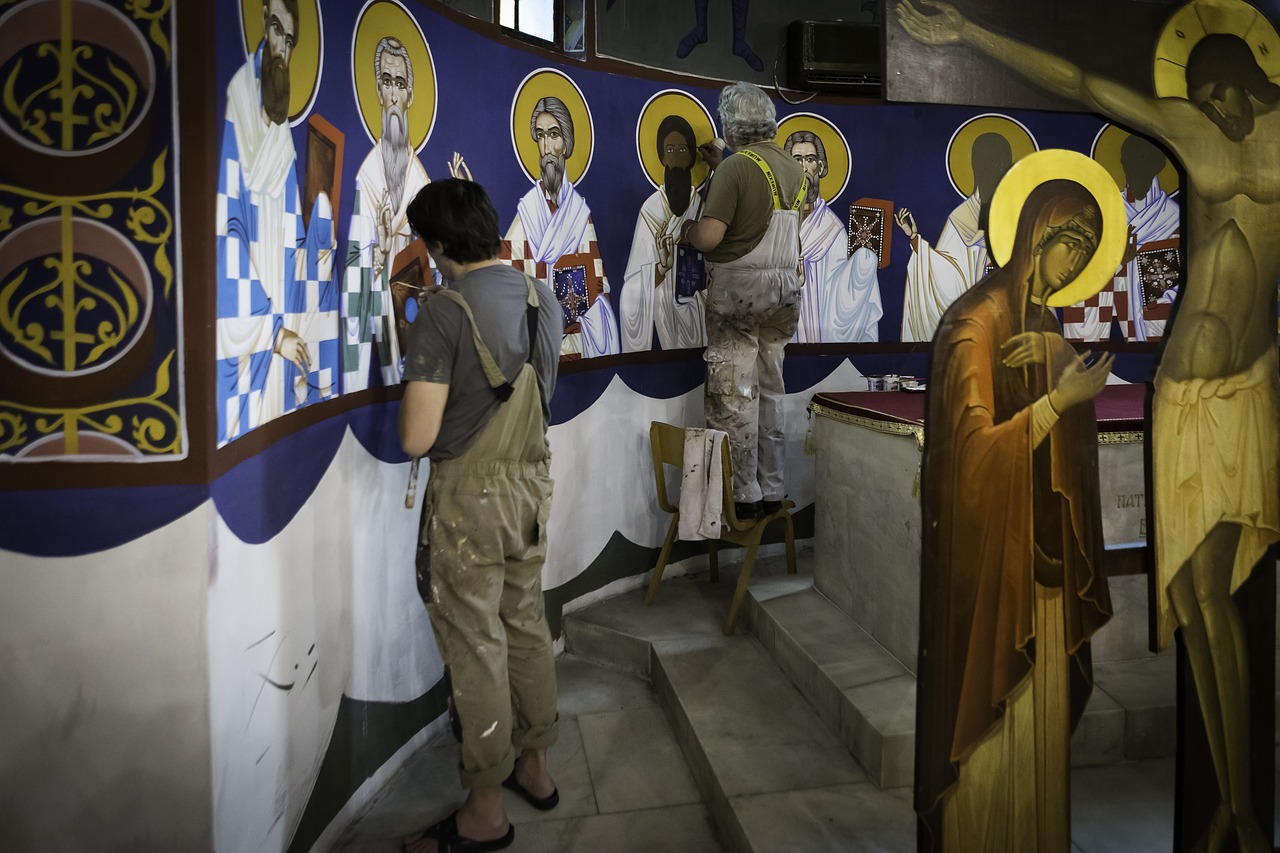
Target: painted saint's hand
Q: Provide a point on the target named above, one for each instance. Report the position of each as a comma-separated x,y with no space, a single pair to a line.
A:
1131,248
1025,348
293,348
943,27
1080,381
666,256
904,220
458,168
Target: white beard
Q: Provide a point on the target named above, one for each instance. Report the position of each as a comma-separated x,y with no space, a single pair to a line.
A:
395,155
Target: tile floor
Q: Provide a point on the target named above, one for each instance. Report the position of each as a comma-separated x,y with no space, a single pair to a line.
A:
624,785
626,788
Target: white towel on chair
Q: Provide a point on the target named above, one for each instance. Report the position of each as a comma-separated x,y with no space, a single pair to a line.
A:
702,484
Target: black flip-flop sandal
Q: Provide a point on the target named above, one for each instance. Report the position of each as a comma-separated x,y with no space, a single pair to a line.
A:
448,840
542,804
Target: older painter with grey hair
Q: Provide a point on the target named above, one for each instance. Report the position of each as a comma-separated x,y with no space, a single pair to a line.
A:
750,234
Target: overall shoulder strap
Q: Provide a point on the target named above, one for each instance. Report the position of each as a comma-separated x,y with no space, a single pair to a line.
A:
773,181
768,175
502,388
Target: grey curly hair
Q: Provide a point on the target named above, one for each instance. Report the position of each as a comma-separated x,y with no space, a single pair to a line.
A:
560,112
746,114
393,46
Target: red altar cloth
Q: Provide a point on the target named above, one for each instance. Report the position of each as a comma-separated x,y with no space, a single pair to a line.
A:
1119,407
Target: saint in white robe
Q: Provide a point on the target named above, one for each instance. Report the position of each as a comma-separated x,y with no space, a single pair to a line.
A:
539,236
647,302
840,302
274,274
366,305
937,275
1154,217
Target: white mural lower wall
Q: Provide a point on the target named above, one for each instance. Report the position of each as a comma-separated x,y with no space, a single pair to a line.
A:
181,691
327,607
104,695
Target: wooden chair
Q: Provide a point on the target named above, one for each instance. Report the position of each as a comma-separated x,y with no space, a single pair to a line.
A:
667,445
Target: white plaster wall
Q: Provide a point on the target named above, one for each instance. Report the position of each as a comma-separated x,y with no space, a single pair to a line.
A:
603,471
328,606
104,696
393,651
180,691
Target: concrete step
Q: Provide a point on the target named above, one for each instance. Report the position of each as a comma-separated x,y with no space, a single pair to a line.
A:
867,696
773,775
803,713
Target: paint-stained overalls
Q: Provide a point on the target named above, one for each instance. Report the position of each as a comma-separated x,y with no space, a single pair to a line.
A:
753,304
485,526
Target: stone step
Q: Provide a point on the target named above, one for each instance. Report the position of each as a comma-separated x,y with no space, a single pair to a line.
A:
867,696
772,774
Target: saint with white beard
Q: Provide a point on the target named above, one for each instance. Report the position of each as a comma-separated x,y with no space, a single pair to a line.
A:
389,178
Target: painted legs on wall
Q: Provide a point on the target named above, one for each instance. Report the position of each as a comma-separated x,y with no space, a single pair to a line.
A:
1215,644
698,35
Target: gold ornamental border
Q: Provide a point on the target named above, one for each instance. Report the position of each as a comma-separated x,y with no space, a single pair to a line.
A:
890,427
899,428
1123,437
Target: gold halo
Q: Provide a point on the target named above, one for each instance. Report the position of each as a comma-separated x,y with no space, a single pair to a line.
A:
960,148
666,103
837,148
305,64
379,19
1106,150
542,83
1200,18
1049,165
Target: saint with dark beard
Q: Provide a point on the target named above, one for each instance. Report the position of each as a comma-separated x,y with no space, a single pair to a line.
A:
676,149
279,23
650,301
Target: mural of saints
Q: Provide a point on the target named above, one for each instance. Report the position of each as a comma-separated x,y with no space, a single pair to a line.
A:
1138,300
1216,408
552,236
980,152
667,135
1011,582
840,302
395,87
277,307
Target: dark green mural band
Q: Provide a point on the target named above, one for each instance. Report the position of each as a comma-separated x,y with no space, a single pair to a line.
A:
365,736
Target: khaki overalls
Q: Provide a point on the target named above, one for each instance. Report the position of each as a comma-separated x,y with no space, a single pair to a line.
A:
485,526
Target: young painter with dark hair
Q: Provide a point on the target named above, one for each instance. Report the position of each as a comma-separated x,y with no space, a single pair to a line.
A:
479,372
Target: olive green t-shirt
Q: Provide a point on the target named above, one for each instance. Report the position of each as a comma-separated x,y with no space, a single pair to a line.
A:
739,197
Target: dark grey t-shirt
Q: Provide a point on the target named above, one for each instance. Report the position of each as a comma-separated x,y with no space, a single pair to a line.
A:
441,349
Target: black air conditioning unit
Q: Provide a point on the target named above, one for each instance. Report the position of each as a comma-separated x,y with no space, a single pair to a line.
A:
838,57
